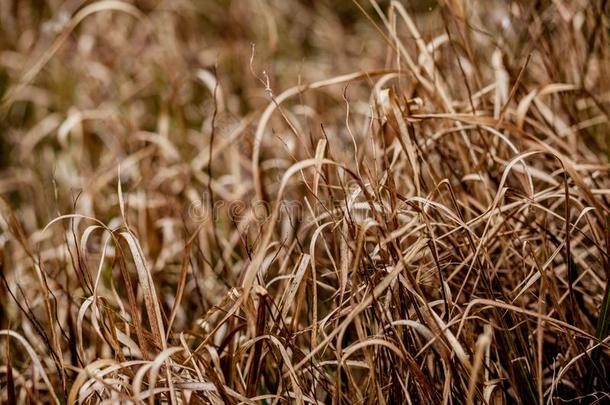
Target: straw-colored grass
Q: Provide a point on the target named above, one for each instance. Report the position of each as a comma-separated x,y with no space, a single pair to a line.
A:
290,201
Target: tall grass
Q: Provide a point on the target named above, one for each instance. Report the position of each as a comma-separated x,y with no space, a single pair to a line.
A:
288,201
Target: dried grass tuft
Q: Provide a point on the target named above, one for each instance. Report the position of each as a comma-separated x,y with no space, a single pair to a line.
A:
265,201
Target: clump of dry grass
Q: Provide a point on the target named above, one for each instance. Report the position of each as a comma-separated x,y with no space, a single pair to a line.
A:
266,201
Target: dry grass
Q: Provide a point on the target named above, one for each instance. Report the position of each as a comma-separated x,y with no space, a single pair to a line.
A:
273,201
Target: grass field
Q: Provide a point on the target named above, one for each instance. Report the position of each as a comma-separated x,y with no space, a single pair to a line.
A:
299,201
